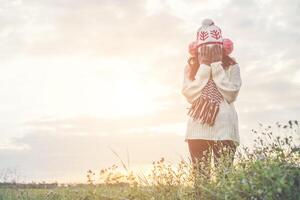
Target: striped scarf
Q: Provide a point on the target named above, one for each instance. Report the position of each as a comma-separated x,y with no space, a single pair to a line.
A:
206,107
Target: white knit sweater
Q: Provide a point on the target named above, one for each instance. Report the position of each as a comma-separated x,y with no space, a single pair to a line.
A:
228,83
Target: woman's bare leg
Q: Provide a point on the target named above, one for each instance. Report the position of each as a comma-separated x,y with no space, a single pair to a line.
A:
224,151
201,151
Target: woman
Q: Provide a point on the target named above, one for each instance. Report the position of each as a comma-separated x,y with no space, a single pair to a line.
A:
211,85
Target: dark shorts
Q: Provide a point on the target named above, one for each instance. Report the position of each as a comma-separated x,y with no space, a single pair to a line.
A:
202,150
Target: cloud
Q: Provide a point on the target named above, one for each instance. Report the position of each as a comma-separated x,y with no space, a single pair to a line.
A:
102,125
67,157
105,29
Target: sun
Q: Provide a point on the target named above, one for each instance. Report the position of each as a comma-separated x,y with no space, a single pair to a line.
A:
131,96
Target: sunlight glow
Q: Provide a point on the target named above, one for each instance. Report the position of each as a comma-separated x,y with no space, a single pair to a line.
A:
96,87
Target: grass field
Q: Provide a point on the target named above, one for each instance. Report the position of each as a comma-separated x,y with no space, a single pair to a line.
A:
271,170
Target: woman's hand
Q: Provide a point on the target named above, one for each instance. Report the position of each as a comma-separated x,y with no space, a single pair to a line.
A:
216,53
204,56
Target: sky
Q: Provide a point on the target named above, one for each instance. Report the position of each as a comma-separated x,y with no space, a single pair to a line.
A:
81,78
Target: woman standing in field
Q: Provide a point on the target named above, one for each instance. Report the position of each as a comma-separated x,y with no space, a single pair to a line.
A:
211,85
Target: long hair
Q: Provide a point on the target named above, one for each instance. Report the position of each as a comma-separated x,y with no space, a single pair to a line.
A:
194,63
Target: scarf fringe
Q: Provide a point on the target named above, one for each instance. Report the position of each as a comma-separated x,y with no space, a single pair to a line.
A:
204,110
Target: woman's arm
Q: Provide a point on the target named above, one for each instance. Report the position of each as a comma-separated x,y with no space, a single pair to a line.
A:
228,86
191,88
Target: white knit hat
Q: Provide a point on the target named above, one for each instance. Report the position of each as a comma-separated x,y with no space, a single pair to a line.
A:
209,33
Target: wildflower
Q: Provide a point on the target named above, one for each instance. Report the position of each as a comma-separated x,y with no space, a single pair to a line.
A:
244,181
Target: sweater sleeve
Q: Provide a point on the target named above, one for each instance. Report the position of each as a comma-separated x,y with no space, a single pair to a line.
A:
228,85
191,88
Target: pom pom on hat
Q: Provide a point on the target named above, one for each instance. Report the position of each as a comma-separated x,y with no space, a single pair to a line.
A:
207,22
227,46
